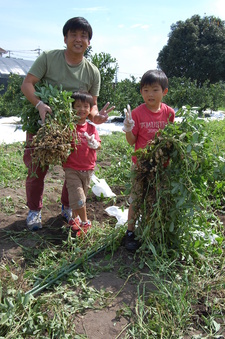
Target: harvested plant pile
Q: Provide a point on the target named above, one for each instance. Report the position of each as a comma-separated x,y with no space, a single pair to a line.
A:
52,142
171,197
150,175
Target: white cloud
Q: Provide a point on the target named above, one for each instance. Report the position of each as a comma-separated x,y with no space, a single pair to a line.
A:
140,26
90,9
136,25
216,8
219,5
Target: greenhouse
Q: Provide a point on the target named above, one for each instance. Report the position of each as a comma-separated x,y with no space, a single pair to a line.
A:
13,66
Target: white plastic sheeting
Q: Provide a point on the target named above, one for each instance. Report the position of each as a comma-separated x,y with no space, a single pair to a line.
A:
8,134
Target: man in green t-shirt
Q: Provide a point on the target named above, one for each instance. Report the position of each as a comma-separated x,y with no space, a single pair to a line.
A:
74,72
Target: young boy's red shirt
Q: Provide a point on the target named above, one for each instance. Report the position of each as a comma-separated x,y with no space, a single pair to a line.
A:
83,158
147,124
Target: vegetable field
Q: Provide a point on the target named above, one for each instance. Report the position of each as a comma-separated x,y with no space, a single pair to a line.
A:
53,285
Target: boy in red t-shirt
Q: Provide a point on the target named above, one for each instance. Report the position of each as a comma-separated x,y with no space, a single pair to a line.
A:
142,124
80,163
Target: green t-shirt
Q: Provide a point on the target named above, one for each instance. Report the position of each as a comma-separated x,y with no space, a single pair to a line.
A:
52,67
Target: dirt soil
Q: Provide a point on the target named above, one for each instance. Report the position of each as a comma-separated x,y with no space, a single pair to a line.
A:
99,324
95,324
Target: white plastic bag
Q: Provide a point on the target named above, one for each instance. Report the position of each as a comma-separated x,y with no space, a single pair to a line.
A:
121,215
101,188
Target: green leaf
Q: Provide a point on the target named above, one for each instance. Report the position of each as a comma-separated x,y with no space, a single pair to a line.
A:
181,201
171,228
189,148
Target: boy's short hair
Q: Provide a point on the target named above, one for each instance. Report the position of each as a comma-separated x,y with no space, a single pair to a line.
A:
83,97
154,76
77,23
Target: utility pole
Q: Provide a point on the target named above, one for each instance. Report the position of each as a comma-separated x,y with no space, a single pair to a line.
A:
116,75
38,50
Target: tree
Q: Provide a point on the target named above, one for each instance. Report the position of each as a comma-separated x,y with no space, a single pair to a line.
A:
10,101
107,67
184,92
88,52
127,92
195,50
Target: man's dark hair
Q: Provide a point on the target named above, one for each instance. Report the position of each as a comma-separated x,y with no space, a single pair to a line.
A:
77,23
154,76
83,97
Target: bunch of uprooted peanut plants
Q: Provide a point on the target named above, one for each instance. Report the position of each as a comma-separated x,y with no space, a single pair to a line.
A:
170,184
149,176
51,143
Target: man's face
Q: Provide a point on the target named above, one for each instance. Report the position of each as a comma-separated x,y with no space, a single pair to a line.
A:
77,41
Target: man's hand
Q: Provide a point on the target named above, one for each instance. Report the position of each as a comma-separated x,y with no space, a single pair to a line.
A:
43,110
128,122
102,116
92,142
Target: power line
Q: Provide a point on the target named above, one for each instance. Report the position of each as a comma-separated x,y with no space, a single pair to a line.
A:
131,73
33,53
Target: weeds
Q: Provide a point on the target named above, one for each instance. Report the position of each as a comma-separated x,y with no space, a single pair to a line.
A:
12,169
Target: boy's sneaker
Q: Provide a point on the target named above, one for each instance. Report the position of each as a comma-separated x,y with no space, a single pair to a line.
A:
66,213
75,224
130,243
34,220
84,227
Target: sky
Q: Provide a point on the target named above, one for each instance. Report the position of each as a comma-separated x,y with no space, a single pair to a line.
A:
133,32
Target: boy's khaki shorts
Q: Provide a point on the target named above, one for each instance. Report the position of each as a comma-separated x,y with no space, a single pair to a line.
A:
77,183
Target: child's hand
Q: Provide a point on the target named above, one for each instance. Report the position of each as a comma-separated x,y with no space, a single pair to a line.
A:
102,116
92,142
128,122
